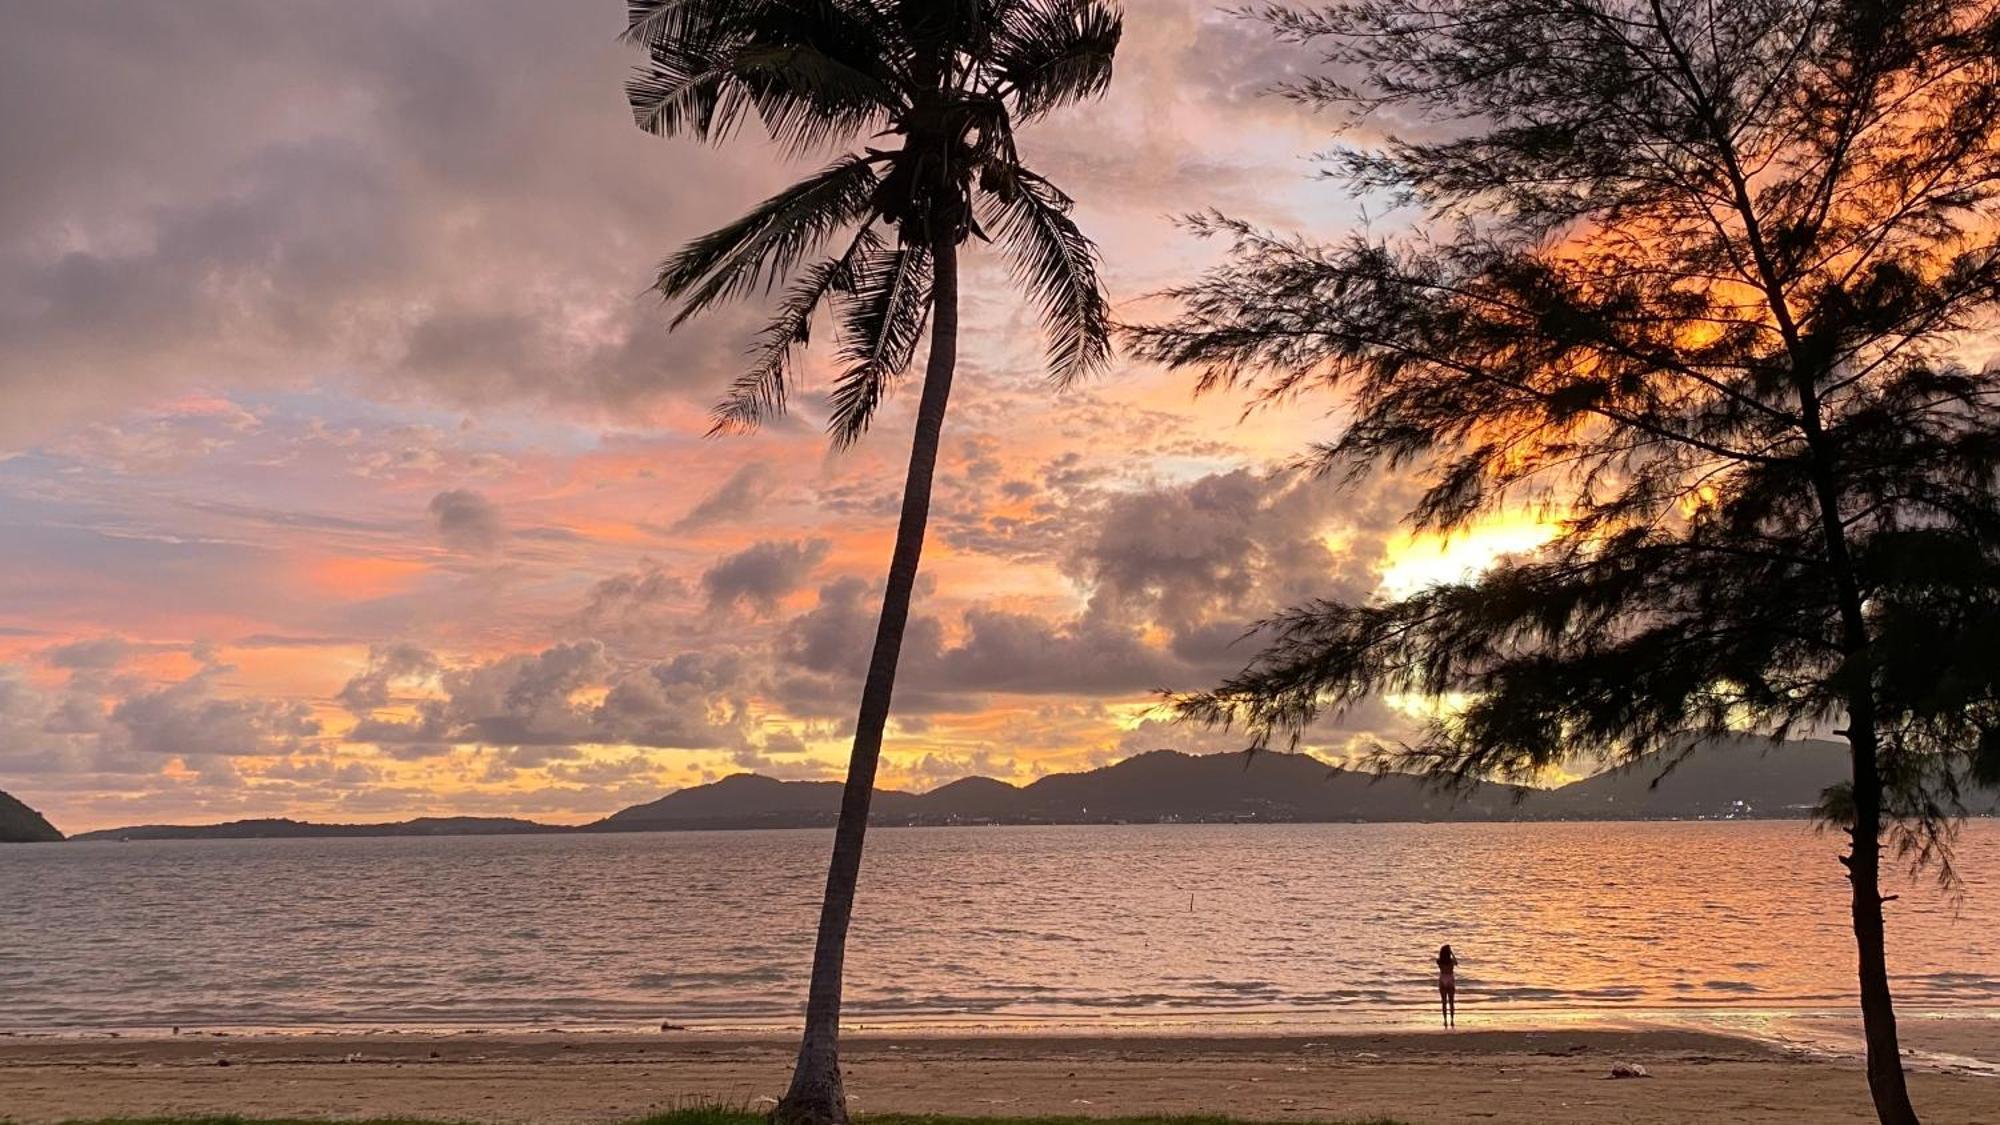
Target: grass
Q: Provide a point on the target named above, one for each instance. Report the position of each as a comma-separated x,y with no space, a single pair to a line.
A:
728,1115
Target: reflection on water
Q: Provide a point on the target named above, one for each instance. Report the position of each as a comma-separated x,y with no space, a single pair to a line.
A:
1007,926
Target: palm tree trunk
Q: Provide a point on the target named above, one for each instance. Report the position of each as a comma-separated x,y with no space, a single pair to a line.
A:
816,1096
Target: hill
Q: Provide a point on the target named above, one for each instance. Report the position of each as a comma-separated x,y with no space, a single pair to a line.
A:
1728,779
748,800
20,824
1168,785
278,827
1733,778
1160,786
1739,777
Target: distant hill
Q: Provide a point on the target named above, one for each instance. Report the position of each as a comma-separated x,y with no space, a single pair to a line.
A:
20,824
748,800
1163,785
280,827
1271,786
1734,778
1739,777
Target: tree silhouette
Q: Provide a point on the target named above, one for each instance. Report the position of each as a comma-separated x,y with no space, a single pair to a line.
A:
947,82
1695,282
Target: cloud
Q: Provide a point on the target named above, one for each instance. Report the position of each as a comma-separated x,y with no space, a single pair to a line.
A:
389,666
735,499
351,204
636,607
1204,558
466,521
398,263
783,755
570,694
1014,652
690,702
190,720
760,575
96,654
34,738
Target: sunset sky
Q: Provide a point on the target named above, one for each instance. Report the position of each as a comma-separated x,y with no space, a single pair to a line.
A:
346,472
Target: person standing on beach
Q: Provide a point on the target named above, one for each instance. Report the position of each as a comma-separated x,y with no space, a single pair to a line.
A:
1448,985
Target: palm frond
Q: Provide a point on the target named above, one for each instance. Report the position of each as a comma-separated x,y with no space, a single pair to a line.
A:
1049,53
813,72
760,393
760,248
1055,262
650,21
881,319
807,98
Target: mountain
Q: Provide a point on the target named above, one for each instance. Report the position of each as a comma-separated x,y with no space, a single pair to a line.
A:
20,824
748,800
279,828
1730,778
1271,786
1163,785
1724,778
1737,777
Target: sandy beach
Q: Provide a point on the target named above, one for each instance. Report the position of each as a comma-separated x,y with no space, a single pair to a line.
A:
1510,1077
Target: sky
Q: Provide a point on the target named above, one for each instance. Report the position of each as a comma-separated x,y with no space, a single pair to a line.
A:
347,471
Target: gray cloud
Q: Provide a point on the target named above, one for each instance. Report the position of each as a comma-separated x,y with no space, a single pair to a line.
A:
763,573
1206,557
389,666
637,608
96,654
543,699
190,720
466,521
734,499
346,201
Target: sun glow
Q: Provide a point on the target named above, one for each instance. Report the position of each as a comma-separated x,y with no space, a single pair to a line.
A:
1419,561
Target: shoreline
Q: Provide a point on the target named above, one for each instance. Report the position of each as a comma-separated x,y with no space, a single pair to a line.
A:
1558,1075
1825,1029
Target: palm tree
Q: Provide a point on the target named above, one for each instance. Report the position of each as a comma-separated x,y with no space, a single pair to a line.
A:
943,85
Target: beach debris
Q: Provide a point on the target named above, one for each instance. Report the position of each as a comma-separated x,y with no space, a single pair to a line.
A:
666,1026
222,1062
353,1057
1628,1070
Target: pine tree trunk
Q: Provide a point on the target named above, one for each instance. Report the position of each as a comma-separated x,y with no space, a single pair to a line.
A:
1886,1082
816,1096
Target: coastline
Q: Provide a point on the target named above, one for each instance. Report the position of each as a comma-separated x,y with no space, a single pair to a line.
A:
1956,1039
1558,1075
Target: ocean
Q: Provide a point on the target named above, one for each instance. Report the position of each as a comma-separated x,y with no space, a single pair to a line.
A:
1085,928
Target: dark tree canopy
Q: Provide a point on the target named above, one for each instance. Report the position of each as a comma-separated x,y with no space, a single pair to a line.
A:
1707,280
1702,281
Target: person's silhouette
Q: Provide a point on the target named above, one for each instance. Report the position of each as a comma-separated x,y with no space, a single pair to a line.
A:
1448,985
